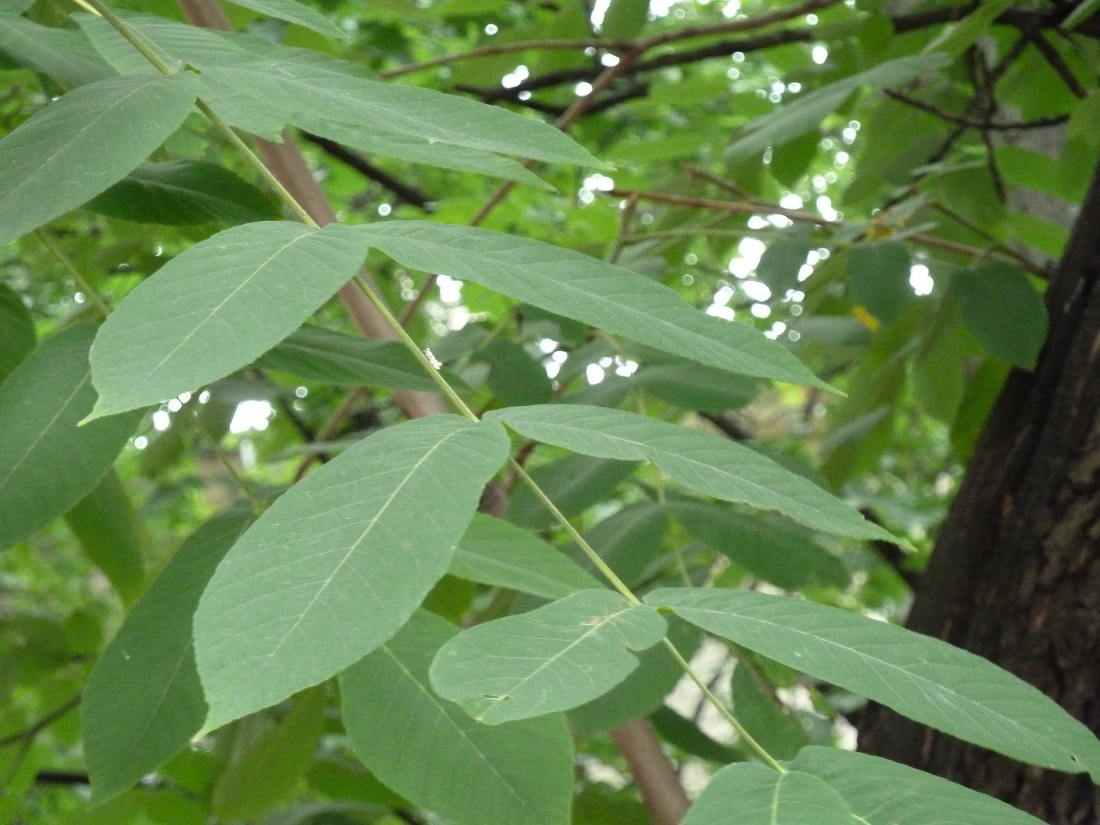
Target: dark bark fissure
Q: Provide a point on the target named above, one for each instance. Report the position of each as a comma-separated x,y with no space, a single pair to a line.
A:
1015,574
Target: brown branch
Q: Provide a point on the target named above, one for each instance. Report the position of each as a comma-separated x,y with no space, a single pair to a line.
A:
654,774
736,208
637,45
404,192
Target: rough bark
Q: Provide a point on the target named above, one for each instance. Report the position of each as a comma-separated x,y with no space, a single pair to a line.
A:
1015,574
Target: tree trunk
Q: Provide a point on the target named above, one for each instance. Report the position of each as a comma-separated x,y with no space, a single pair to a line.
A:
1015,574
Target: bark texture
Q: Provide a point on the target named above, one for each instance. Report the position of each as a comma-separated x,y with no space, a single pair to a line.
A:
1015,575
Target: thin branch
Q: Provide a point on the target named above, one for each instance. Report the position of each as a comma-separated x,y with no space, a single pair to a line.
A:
619,44
62,778
352,159
799,216
31,731
976,123
1054,58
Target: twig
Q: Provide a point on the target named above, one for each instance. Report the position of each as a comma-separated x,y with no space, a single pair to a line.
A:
1052,56
403,191
976,123
31,731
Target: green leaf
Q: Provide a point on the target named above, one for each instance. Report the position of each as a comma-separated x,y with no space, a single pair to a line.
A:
918,676
143,701
960,36
696,387
110,532
1082,13
340,562
806,112
776,553
886,793
17,336
878,278
47,462
624,18
708,463
628,541
500,554
217,307
63,54
782,261
376,140
293,12
1002,310
685,735
261,86
430,751
761,796
574,484
319,354
514,376
760,714
103,129
586,289
184,192
644,690
554,658
266,773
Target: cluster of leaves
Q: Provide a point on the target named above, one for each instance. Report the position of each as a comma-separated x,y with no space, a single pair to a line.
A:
361,643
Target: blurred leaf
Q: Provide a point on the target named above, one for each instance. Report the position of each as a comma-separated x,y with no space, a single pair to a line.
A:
1002,310
111,533
777,733
695,387
878,278
573,483
294,12
781,262
17,336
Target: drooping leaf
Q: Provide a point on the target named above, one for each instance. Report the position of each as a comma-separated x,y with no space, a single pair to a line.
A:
686,735
340,562
782,261
215,308
776,553
495,552
433,753
294,12
762,796
261,86
918,676
63,54
696,387
1002,310
514,376
629,541
886,793
573,483
184,192
554,658
644,690
143,701
104,129
710,464
878,278
266,773
47,462
320,354
376,140
17,336
110,532
586,289
805,113
760,714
